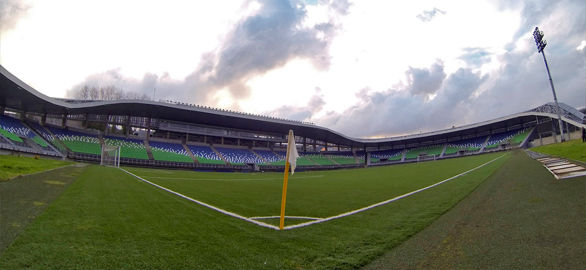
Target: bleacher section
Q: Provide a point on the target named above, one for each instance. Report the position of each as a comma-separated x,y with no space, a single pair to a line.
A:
205,154
319,159
468,145
520,137
169,152
268,156
239,156
46,135
390,155
506,137
16,131
342,158
78,142
129,148
301,161
434,150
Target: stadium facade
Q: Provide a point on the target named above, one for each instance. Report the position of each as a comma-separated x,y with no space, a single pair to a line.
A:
176,134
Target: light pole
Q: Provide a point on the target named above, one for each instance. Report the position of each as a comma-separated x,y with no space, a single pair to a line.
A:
541,43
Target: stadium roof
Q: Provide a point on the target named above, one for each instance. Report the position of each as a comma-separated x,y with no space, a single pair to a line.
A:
17,95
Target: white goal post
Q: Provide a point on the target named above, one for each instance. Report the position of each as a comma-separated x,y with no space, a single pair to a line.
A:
110,156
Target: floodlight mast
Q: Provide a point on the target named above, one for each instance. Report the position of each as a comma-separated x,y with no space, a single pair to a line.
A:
541,43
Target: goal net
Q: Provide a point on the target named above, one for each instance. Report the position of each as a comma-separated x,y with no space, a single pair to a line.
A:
110,156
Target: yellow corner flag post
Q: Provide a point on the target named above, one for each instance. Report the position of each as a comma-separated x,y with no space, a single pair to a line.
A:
290,160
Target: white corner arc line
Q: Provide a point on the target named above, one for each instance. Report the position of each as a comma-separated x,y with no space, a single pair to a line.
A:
205,204
291,217
387,201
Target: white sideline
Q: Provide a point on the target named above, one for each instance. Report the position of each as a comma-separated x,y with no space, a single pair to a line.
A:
385,202
315,219
205,204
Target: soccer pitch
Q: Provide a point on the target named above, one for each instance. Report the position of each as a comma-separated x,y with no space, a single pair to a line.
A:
108,219
313,196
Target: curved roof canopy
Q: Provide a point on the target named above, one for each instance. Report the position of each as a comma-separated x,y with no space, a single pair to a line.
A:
17,95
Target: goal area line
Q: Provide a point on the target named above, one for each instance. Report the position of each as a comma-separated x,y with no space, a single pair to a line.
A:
313,220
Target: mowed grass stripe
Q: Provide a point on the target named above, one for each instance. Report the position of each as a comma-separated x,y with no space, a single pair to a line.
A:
521,217
109,220
336,192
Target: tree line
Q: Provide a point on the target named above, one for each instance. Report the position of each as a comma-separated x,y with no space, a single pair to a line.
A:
110,92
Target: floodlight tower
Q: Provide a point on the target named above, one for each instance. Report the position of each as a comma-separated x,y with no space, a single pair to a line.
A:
541,43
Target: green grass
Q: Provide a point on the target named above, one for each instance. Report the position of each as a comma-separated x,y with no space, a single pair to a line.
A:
107,219
314,194
574,149
521,217
23,198
12,166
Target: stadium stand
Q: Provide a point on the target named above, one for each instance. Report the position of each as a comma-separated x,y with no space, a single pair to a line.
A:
267,155
468,145
520,137
129,148
45,134
390,155
165,151
239,156
15,130
342,158
496,140
301,161
77,142
319,159
205,155
434,150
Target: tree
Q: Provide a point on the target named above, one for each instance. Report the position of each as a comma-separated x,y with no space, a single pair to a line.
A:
110,92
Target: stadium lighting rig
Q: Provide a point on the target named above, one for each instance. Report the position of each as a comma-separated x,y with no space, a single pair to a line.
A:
541,43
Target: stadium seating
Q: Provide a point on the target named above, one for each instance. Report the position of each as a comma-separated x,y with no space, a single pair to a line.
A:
390,155
301,161
342,158
319,159
239,156
268,156
469,145
205,155
520,137
15,130
169,152
78,142
502,138
129,148
46,135
434,150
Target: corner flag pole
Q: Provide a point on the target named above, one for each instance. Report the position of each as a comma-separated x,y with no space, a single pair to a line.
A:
285,179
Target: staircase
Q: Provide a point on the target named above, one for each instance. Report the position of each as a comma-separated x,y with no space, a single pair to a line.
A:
484,145
190,153
443,151
218,153
147,146
259,156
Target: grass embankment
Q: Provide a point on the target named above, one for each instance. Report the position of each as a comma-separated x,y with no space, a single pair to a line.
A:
109,220
12,166
519,218
24,198
574,149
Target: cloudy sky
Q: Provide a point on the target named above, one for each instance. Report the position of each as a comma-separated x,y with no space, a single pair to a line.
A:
367,68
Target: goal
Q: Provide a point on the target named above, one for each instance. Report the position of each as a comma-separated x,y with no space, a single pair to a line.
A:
110,156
